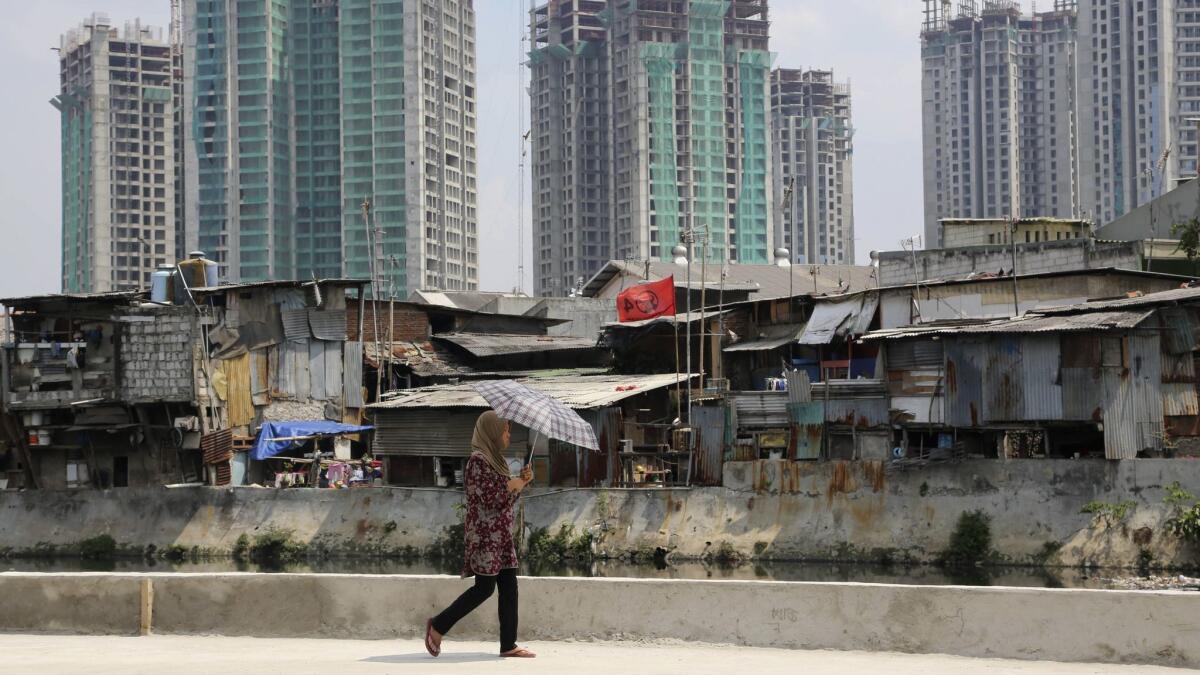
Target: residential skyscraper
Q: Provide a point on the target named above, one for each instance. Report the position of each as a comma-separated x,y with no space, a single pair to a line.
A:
814,155
118,173
679,94
315,124
999,111
1139,80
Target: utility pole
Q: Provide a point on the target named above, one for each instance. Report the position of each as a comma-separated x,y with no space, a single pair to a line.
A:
1012,239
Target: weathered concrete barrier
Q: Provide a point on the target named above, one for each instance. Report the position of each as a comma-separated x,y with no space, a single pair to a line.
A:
1047,624
850,511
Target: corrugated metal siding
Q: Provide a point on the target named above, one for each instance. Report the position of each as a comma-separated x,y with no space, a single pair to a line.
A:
1179,385
316,371
914,354
964,383
1178,336
808,429
352,379
1042,388
1003,397
1083,394
859,413
328,324
295,324
709,425
761,409
1133,420
596,465
433,433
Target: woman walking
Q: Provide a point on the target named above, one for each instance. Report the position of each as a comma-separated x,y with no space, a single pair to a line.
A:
490,555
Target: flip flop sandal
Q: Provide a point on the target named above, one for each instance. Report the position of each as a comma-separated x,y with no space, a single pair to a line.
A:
518,653
431,647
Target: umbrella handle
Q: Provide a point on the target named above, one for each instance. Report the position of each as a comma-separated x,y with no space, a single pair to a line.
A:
532,446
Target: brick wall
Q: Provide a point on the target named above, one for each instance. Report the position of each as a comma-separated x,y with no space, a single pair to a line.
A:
411,323
156,356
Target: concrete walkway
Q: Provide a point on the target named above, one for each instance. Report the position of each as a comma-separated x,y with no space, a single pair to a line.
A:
52,655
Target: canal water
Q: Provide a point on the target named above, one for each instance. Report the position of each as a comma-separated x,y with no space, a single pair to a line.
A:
754,571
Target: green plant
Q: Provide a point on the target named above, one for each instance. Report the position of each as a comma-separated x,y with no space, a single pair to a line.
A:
275,547
544,547
101,547
971,541
1145,561
241,548
603,505
1188,233
1111,514
725,554
1185,520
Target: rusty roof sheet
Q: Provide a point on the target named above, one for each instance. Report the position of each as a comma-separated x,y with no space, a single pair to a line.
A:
1147,300
579,392
1028,323
484,345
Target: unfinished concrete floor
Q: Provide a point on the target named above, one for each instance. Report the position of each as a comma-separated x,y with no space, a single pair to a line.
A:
54,655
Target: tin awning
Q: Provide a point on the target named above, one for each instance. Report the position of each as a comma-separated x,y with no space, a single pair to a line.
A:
831,320
772,337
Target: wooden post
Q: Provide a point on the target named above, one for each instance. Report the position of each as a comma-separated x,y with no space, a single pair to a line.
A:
147,607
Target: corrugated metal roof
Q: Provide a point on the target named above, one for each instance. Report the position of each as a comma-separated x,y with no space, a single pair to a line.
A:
840,319
677,319
581,393
295,324
280,284
773,337
1029,323
1148,300
769,281
482,345
116,297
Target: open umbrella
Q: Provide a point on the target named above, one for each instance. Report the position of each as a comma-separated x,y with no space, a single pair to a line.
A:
544,415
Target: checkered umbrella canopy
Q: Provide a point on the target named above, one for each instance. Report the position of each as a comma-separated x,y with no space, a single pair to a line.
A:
517,403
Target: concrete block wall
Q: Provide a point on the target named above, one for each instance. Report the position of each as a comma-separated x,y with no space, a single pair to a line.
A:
156,357
896,267
851,511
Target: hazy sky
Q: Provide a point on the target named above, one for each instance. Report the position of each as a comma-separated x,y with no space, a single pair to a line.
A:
872,43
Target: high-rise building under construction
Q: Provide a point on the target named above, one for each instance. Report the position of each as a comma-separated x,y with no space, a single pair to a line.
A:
300,112
648,117
814,165
118,173
1086,110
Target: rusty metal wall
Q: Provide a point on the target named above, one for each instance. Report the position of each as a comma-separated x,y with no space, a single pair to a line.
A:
808,428
709,444
964,383
1003,397
594,466
1042,390
761,409
1133,417
859,413
1179,385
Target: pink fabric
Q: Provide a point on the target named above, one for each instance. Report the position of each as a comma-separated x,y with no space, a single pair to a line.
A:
489,522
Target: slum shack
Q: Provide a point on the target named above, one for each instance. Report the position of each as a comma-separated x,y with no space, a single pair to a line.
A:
1113,379
98,391
423,436
273,352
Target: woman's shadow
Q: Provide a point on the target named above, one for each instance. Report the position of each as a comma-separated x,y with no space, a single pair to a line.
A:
422,657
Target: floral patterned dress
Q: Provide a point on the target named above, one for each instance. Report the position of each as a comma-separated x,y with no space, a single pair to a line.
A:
489,522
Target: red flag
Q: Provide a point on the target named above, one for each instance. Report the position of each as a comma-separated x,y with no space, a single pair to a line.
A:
648,300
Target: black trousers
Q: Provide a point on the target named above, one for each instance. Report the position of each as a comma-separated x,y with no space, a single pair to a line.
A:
474,597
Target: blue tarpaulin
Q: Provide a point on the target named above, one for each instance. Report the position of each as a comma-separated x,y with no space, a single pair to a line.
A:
266,445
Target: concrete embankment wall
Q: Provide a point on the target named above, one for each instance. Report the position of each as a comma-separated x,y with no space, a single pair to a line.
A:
779,510
1046,624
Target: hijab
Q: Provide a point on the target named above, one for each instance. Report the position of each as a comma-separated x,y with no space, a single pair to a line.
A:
488,441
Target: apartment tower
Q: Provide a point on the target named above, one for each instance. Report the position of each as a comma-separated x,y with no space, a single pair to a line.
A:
118,173
658,110
814,165
1000,111
331,138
